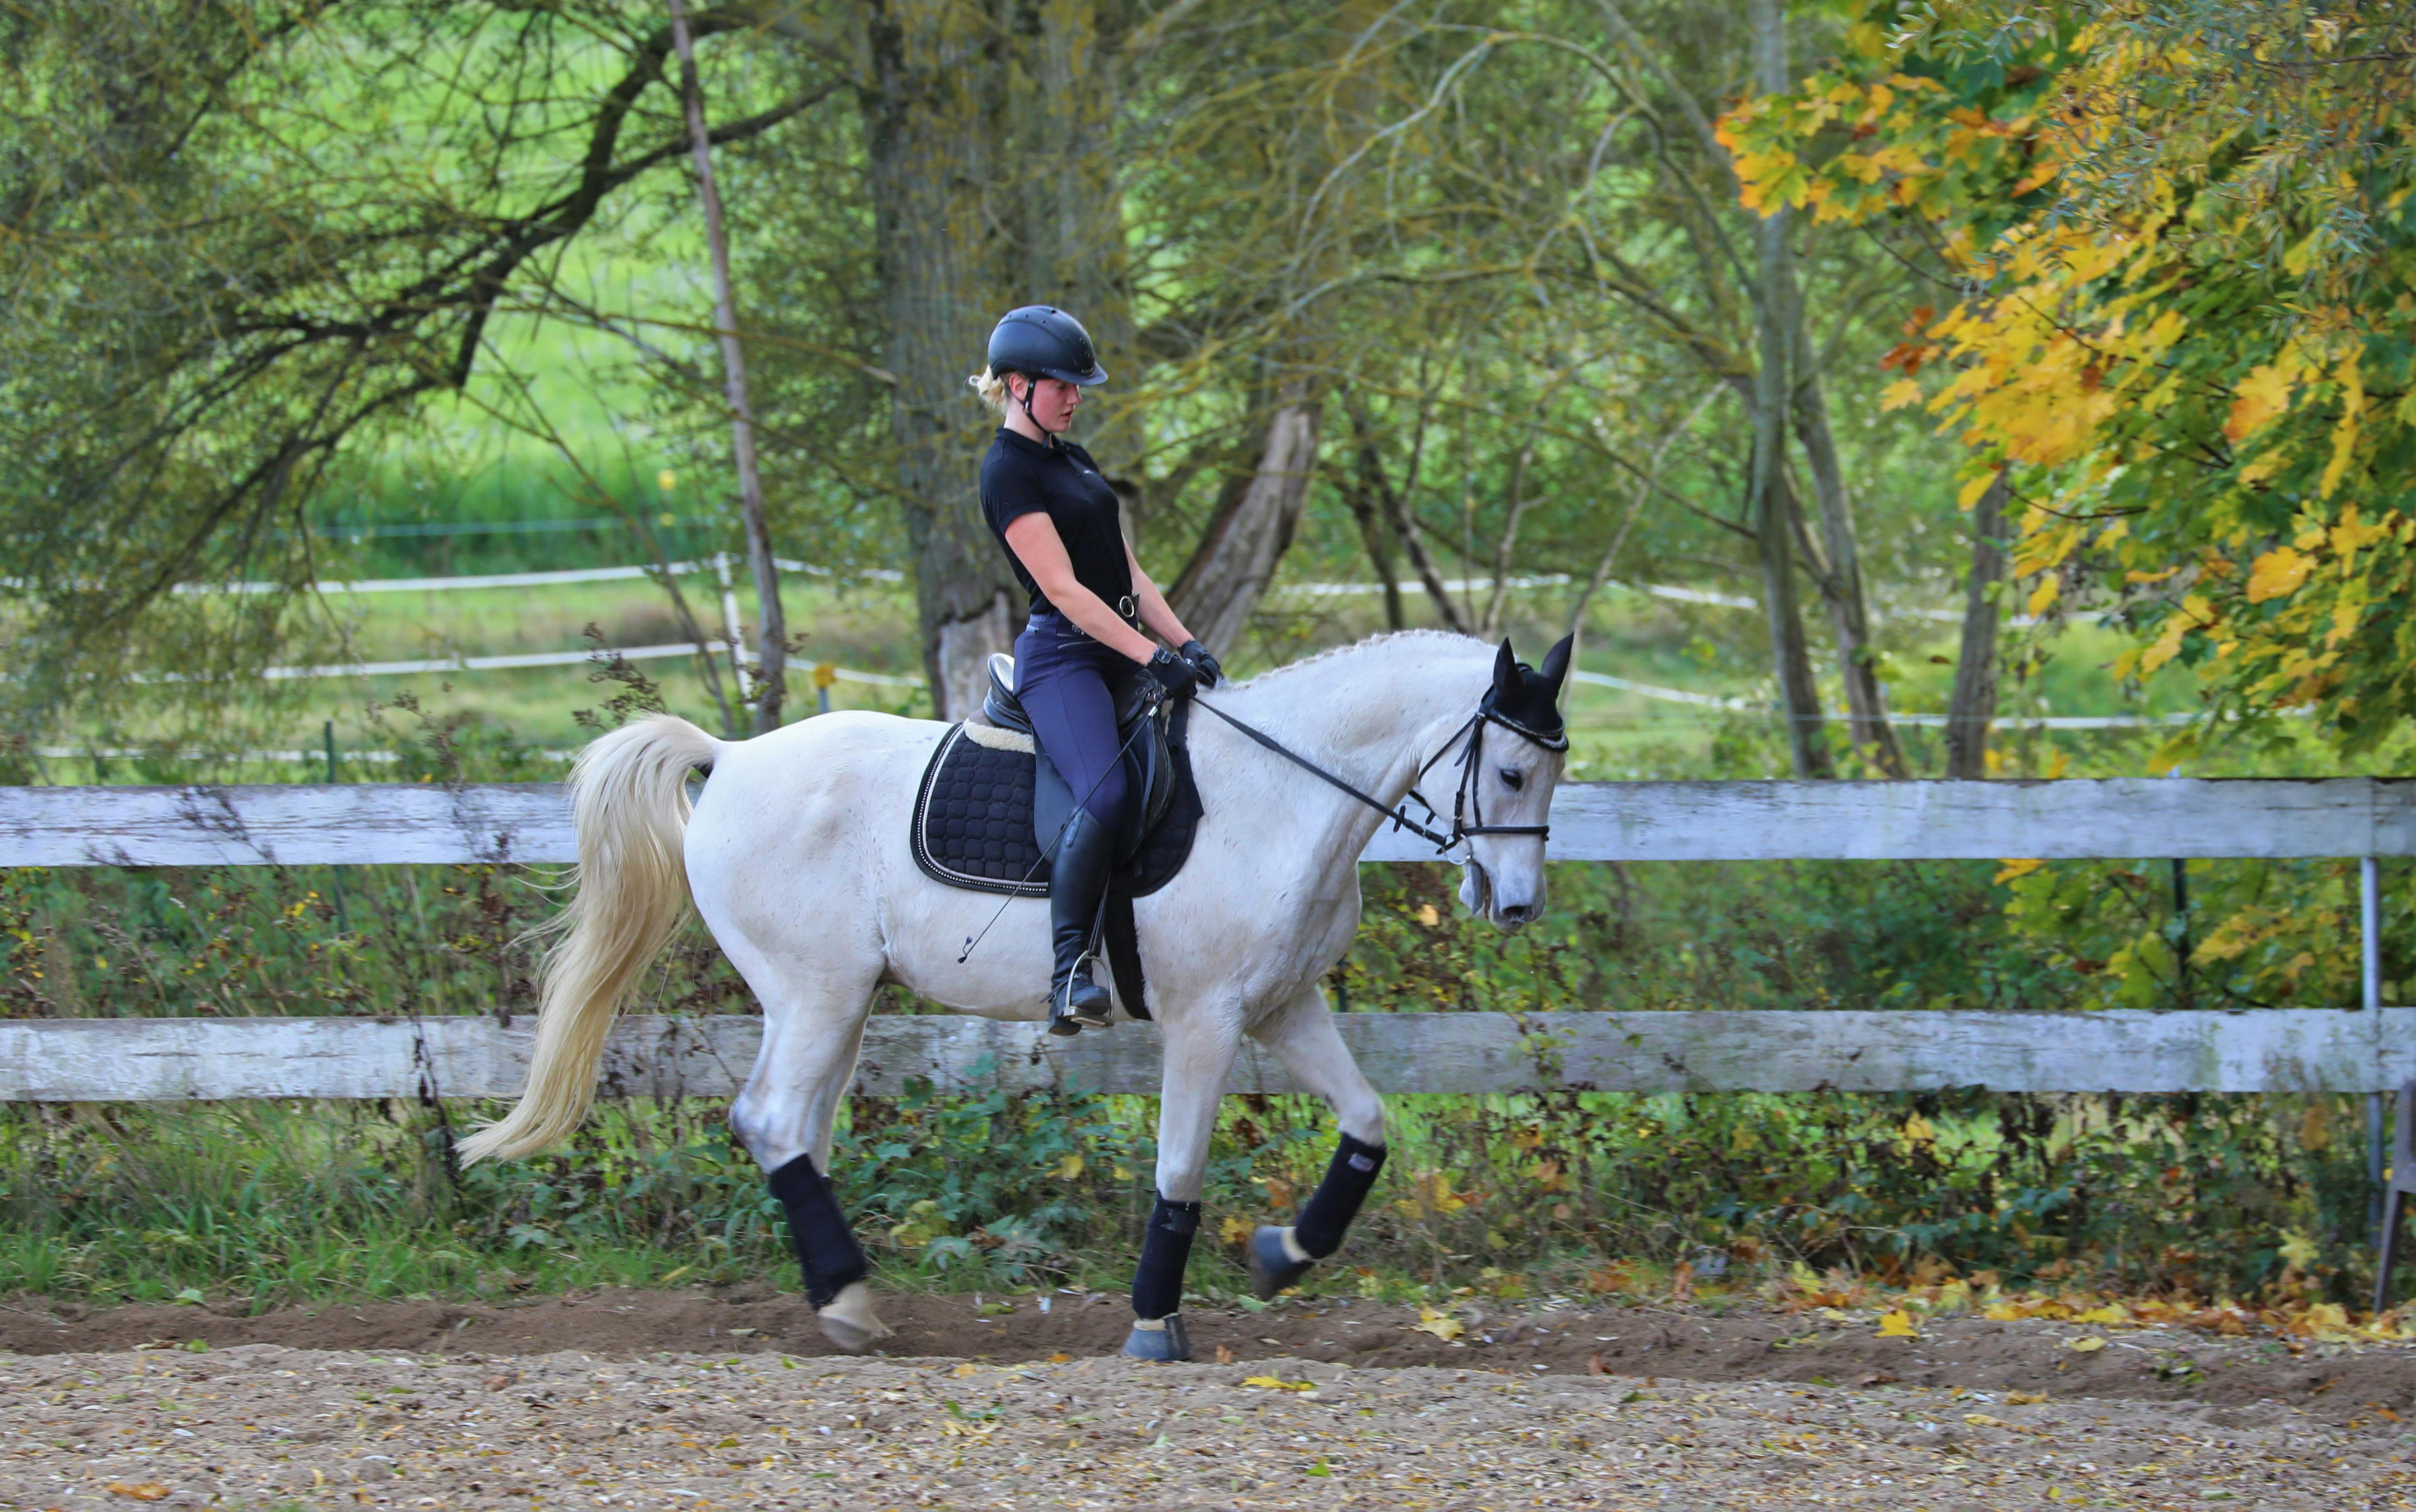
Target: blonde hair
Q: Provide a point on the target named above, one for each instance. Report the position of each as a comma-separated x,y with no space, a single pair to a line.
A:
992,388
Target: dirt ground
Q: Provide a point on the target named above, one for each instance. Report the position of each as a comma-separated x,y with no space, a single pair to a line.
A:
689,1401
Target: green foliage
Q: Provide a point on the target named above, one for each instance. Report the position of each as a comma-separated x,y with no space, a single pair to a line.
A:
272,1202
2181,236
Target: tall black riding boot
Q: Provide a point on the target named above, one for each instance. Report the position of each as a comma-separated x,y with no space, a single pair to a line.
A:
1078,880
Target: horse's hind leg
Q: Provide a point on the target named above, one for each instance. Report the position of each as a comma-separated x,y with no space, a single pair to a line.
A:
814,1026
1303,1037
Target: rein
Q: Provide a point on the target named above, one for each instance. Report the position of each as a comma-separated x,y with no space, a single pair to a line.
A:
1465,803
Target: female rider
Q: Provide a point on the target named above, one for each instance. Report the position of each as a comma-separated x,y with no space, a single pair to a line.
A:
1090,603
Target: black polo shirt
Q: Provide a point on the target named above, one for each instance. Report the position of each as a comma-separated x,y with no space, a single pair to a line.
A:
1020,477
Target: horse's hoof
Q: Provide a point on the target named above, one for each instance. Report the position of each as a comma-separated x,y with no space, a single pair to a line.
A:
1275,1261
848,1322
1158,1339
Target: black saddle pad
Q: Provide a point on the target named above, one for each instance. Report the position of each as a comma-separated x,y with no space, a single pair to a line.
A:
972,817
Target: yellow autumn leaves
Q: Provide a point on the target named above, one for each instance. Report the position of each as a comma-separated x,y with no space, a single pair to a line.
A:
2201,405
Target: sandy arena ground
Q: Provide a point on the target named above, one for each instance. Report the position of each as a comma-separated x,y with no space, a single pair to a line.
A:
740,1420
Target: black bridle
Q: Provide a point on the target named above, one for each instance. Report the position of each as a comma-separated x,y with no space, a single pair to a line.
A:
1467,802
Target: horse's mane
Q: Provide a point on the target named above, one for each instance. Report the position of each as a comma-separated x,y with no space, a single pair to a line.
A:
1275,674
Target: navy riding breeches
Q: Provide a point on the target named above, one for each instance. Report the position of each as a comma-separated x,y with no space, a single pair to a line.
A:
1067,684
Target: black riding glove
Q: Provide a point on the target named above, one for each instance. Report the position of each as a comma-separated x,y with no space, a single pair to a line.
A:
1201,662
1173,674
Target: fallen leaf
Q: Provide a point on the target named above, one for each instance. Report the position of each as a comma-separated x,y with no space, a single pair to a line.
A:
1441,1324
1879,1378
1982,1420
969,1368
1596,1367
1224,1354
1059,1359
1898,1325
1269,1382
142,1490
2090,1345
2024,1399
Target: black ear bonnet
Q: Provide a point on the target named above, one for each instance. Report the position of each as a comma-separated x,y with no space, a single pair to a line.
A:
1527,700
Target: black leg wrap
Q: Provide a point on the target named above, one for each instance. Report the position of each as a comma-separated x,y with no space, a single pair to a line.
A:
1165,1251
1330,1209
826,1245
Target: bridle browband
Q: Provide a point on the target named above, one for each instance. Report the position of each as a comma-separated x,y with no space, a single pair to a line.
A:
1466,803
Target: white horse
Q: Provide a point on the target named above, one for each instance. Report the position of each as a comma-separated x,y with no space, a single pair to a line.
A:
797,856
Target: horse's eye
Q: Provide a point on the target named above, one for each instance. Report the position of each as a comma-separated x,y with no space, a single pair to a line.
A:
1513,779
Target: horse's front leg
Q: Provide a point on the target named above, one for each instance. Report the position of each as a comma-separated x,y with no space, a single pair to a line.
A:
1199,1048
1302,1035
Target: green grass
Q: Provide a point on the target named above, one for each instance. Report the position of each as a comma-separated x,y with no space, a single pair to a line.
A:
267,1204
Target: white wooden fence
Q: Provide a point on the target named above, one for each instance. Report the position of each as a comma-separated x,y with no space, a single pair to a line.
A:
369,824
2267,1049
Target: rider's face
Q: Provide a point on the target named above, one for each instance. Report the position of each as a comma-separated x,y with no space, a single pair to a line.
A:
1053,403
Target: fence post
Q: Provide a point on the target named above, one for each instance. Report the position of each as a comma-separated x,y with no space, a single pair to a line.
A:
343,920
737,636
2369,908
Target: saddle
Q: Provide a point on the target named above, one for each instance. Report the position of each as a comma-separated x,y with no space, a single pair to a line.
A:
991,804
1149,766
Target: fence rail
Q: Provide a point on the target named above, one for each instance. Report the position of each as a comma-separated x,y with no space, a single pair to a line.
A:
2257,1050
2285,1049
372,824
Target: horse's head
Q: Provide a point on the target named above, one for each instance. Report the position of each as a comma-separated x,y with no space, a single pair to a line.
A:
1512,764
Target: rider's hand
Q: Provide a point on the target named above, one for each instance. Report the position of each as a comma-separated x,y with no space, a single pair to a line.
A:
1201,662
1173,674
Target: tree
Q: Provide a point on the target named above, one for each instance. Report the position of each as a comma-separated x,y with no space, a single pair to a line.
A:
2182,337
215,288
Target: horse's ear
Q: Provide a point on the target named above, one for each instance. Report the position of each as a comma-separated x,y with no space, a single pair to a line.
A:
1556,663
1506,671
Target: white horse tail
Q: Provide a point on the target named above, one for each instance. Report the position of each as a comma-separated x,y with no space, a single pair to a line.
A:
628,798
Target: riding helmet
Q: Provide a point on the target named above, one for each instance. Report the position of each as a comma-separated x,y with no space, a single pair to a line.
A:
1043,342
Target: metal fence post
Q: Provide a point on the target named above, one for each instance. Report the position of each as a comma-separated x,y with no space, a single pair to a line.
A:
2369,901
343,920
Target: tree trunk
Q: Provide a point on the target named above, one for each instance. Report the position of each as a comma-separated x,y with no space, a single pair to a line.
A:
1375,536
1067,199
930,130
1252,525
1842,585
1395,506
1974,701
1799,700
771,630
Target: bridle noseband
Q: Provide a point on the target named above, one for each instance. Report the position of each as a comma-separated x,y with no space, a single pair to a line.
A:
1467,802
